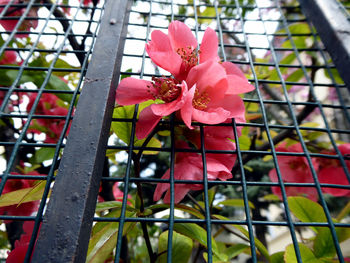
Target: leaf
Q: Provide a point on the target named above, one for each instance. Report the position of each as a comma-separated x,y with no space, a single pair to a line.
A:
235,203
24,195
104,238
154,143
43,154
196,233
295,76
277,257
62,64
236,250
184,208
323,244
271,197
260,246
306,254
123,128
181,247
102,206
306,210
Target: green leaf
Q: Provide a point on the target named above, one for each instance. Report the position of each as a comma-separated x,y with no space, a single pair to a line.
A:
43,154
55,83
295,76
235,203
24,195
306,254
62,64
112,204
260,246
323,244
277,257
271,197
306,210
184,208
123,128
104,238
155,143
236,250
181,247
196,233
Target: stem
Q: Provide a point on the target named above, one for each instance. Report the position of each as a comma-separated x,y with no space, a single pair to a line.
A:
65,24
344,212
136,158
213,217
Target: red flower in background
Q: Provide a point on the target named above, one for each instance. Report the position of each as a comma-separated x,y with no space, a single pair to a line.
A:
48,105
24,209
332,172
294,169
21,246
9,57
10,25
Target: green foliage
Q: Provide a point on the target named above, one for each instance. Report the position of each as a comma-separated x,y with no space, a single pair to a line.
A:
181,247
23,195
123,129
305,253
196,233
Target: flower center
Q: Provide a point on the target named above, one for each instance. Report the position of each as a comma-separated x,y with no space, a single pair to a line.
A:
167,89
200,100
189,56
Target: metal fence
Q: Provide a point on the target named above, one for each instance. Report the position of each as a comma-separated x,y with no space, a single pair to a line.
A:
299,95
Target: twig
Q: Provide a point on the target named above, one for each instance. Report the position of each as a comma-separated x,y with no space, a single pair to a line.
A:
65,24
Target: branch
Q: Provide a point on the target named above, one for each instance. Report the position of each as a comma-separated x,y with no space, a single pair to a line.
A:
65,24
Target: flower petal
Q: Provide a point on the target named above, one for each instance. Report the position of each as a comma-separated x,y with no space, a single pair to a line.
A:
162,54
146,123
214,116
187,108
209,46
181,36
206,76
132,91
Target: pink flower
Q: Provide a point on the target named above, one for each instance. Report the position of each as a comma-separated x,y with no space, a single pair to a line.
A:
118,194
214,140
47,106
9,25
212,96
189,166
294,169
9,57
332,172
177,51
166,90
21,246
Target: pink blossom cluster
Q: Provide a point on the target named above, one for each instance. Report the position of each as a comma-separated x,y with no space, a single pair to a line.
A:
21,246
48,105
295,169
201,88
10,25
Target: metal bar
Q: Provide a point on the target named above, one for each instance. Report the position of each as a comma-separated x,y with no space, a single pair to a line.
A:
66,227
334,29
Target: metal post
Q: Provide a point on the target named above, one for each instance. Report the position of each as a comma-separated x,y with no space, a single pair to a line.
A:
333,26
65,231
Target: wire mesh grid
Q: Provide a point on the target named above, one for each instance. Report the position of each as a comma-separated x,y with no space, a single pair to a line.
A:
45,48
280,51
298,116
